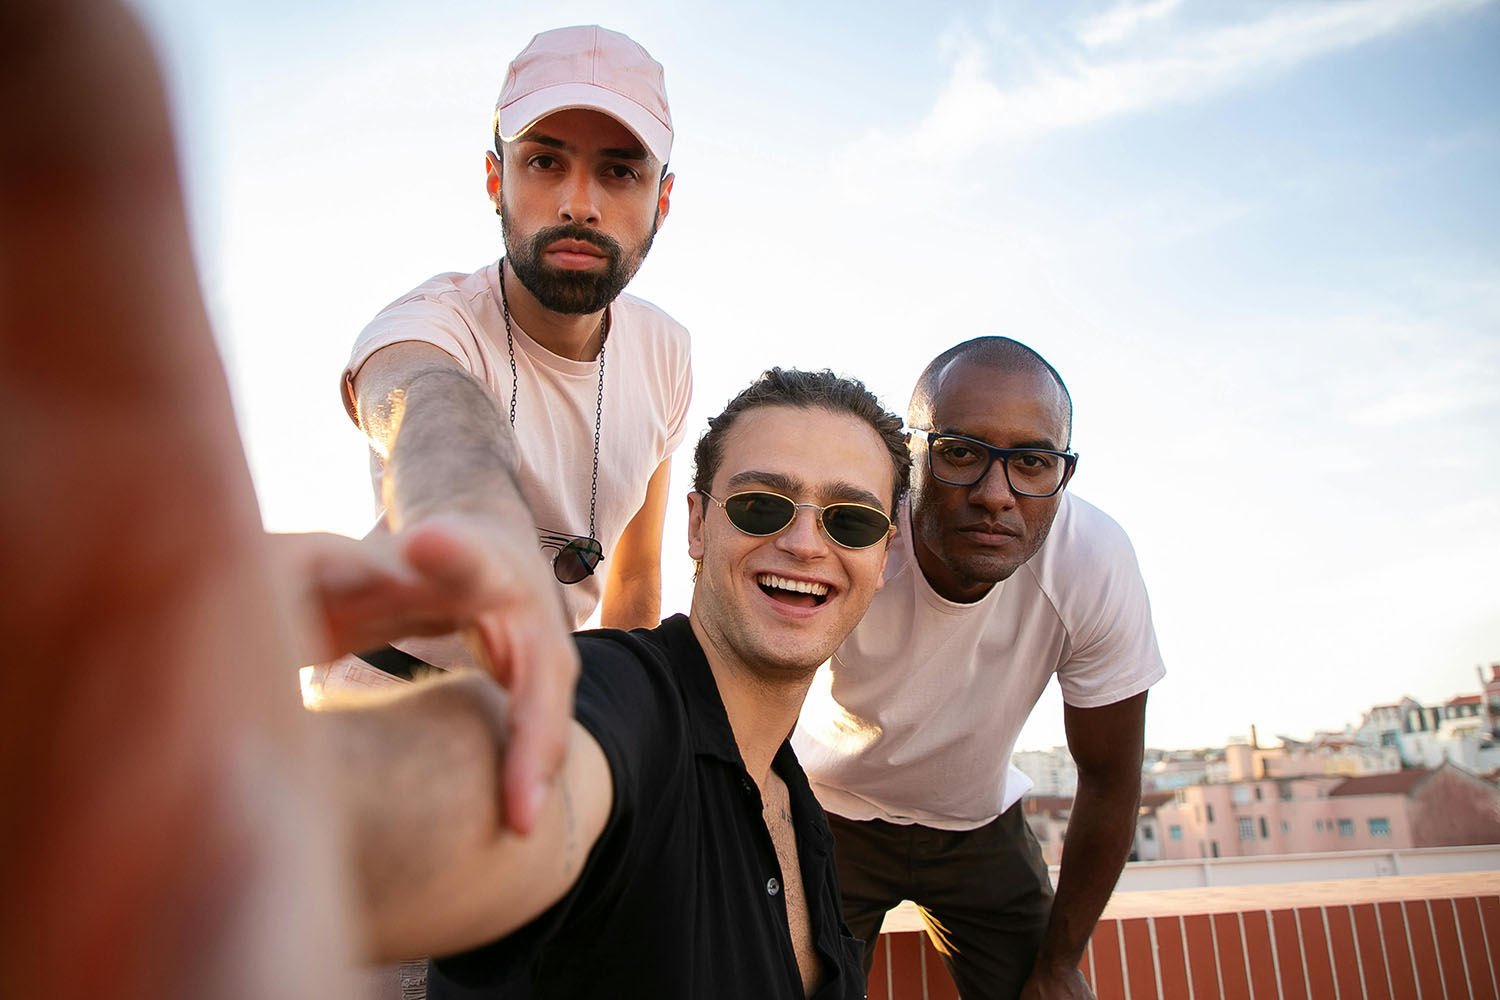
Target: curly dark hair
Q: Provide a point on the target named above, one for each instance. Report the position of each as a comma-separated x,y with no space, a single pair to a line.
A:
820,389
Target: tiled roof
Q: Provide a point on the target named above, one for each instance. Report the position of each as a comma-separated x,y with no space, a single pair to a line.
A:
1395,783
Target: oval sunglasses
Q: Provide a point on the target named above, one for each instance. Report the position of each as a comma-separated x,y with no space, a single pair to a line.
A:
762,513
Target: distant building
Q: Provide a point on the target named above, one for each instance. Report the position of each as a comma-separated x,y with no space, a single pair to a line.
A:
1460,731
1047,815
1147,845
1325,754
1052,772
1172,769
1439,807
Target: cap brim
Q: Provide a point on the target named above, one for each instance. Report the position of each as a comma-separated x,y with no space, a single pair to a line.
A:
522,113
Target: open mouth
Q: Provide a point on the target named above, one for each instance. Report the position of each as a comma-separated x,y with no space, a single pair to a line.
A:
798,593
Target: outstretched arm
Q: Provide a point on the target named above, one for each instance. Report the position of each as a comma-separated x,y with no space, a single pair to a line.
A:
450,459
436,871
164,830
1107,744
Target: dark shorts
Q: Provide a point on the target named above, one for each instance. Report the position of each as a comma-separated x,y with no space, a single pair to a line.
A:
983,893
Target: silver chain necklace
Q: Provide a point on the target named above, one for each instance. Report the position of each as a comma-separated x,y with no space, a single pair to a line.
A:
510,350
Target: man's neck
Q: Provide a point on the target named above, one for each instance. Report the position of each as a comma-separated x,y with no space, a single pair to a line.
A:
762,709
941,578
567,335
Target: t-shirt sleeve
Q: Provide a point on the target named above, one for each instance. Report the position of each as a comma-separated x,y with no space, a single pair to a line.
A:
628,705
420,316
1114,653
680,395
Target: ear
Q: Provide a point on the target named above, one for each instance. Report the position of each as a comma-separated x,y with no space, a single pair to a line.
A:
492,178
885,555
664,199
697,511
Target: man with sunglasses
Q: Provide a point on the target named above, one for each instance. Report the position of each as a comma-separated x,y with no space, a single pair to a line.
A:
684,854
1003,581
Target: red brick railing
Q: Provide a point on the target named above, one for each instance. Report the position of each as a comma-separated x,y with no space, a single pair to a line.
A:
1426,937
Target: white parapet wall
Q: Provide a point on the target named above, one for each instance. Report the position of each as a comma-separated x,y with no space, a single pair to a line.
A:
1152,875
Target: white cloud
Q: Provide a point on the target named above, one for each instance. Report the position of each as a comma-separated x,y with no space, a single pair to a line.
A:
1179,67
1118,23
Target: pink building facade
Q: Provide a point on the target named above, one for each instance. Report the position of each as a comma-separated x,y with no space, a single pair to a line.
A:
1414,808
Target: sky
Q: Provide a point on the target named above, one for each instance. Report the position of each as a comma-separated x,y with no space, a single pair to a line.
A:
1260,239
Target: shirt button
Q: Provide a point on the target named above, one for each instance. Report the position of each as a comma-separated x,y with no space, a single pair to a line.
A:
772,886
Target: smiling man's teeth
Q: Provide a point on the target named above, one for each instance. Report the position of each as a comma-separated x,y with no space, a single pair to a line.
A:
799,586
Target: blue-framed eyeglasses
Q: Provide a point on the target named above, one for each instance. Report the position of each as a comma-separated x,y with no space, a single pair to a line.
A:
964,461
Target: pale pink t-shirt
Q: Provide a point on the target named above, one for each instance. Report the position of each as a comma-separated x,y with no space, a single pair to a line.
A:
647,387
916,719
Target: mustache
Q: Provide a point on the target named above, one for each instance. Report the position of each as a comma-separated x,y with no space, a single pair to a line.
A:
600,241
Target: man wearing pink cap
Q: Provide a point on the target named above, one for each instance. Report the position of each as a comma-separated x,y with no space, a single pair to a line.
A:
533,384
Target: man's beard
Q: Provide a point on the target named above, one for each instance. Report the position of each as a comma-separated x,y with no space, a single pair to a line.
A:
572,292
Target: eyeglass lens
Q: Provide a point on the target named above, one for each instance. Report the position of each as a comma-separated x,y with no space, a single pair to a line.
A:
852,525
961,462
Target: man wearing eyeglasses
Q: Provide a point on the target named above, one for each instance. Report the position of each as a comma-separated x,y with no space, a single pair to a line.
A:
1003,581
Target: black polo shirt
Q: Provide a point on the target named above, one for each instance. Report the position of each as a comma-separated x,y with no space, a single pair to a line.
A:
681,897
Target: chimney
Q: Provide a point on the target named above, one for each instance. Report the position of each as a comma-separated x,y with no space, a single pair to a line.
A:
1255,740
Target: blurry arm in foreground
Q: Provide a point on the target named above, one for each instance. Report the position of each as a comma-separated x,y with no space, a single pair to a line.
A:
163,831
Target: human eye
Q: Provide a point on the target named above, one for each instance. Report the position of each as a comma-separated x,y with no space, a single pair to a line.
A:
620,172
1033,461
954,450
543,161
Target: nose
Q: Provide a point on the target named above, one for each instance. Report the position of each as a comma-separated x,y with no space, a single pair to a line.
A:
580,200
993,491
804,537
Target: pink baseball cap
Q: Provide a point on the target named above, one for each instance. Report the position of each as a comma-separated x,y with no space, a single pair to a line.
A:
587,67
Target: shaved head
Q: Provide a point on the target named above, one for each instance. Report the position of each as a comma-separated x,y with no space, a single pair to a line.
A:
1000,353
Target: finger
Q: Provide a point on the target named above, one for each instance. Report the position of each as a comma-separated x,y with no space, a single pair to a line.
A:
544,673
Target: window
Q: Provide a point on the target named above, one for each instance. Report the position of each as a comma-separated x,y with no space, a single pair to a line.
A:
1147,833
1239,795
1174,831
1346,828
1247,828
1318,826
1286,827
1380,826
1210,811
1265,831
1284,793
1213,848
1257,793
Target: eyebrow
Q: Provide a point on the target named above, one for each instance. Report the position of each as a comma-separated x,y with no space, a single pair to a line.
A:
838,490
636,153
1040,444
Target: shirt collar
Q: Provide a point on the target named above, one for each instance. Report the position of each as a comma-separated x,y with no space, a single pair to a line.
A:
712,736
708,723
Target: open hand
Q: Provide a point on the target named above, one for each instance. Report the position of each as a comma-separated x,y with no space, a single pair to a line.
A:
448,573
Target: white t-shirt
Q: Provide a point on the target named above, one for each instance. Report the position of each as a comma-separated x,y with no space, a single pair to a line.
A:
647,387
916,719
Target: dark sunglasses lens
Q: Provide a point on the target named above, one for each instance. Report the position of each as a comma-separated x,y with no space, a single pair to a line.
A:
854,526
759,513
576,560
